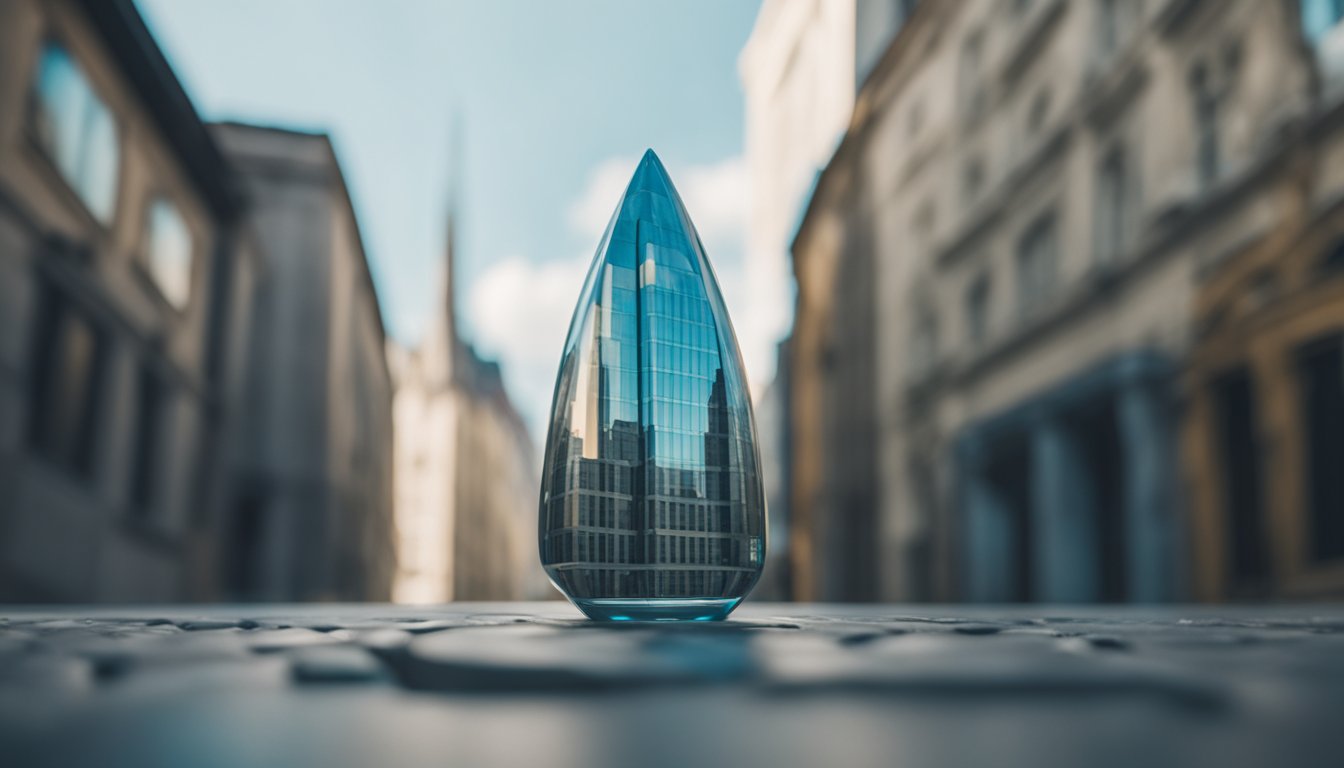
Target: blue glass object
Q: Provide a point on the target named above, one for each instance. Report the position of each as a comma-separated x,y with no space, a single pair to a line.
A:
651,498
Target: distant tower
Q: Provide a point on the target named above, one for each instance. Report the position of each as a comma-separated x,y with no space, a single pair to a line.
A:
428,416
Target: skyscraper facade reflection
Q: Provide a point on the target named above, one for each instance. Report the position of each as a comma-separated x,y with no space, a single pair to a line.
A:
652,485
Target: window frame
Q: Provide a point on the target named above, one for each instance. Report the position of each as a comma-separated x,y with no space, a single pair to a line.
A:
48,157
144,256
972,95
1112,205
1037,281
148,461
977,306
56,309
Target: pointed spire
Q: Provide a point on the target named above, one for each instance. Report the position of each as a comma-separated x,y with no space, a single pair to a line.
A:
650,175
452,200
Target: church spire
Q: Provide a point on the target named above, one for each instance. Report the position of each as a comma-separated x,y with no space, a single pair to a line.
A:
452,200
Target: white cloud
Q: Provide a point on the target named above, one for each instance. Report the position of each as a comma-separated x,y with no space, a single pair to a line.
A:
716,196
520,311
590,212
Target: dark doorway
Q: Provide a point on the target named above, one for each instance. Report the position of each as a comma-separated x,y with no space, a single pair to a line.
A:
1239,458
243,559
1320,368
1009,475
1097,436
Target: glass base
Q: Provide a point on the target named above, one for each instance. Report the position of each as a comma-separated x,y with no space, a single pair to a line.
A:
658,608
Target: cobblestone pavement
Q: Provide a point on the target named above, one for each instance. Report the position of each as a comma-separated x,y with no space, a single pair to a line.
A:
533,683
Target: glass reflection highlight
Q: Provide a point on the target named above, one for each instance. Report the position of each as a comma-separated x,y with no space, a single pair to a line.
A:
651,499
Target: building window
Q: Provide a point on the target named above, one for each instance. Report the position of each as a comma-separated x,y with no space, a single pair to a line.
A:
1234,403
1108,33
1333,260
1320,370
1036,261
168,252
925,351
76,131
1112,207
971,85
68,351
926,219
1205,102
977,312
1116,21
1319,17
1038,113
972,178
146,458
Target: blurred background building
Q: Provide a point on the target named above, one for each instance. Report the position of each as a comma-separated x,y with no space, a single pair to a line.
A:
127,275
797,72
467,474
195,402
1067,327
425,457
311,513
495,552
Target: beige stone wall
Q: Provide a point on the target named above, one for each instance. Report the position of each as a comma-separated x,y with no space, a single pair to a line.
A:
948,165
426,419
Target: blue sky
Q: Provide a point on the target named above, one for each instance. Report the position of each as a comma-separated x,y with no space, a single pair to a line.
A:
556,102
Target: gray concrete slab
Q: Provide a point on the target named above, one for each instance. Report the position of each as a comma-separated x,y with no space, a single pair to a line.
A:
534,683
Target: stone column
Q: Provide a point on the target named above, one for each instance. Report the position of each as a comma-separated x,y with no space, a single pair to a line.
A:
1146,439
1063,514
991,562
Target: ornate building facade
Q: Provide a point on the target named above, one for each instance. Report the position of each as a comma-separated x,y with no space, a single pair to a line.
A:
127,276
1264,437
1000,279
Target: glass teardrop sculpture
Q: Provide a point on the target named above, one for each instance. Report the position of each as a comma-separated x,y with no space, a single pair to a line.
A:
652,505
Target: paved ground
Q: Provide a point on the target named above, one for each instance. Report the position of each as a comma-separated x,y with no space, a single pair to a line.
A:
514,684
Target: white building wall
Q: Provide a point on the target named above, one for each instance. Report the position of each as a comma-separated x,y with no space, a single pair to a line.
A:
425,416
797,72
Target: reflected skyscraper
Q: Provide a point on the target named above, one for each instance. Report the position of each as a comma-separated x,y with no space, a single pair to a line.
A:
651,498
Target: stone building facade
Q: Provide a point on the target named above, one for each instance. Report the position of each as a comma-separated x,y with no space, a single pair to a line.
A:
797,73
1264,436
466,471
997,291
311,501
495,491
425,415
126,276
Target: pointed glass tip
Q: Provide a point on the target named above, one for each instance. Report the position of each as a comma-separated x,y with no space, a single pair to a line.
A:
651,500
650,175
